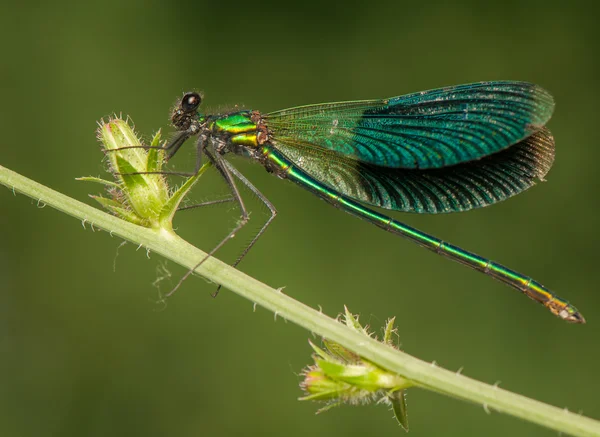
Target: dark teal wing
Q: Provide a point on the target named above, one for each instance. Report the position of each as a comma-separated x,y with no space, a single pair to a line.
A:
458,188
430,129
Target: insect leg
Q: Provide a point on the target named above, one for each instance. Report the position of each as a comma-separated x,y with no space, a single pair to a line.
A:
224,169
263,199
264,227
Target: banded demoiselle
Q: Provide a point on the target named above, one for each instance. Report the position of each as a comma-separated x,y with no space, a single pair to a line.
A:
439,151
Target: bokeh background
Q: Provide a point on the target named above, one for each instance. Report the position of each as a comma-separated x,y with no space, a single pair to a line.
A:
87,350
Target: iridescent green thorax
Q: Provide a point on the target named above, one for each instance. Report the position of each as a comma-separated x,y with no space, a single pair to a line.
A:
245,128
238,122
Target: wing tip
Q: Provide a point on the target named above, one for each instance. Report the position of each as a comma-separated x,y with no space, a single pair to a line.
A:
544,148
544,103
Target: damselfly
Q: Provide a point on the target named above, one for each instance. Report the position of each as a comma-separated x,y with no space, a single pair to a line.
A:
445,150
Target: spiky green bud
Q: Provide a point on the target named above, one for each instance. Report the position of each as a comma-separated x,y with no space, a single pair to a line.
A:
341,376
140,193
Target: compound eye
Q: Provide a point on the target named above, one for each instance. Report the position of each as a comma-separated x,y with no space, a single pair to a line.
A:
190,102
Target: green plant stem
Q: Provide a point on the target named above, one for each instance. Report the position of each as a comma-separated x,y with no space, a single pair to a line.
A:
422,373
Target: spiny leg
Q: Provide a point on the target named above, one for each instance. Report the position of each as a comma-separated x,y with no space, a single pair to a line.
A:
262,230
263,199
219,162
208,203
172,148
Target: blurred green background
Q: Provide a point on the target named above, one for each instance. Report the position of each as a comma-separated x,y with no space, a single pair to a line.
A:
85,349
